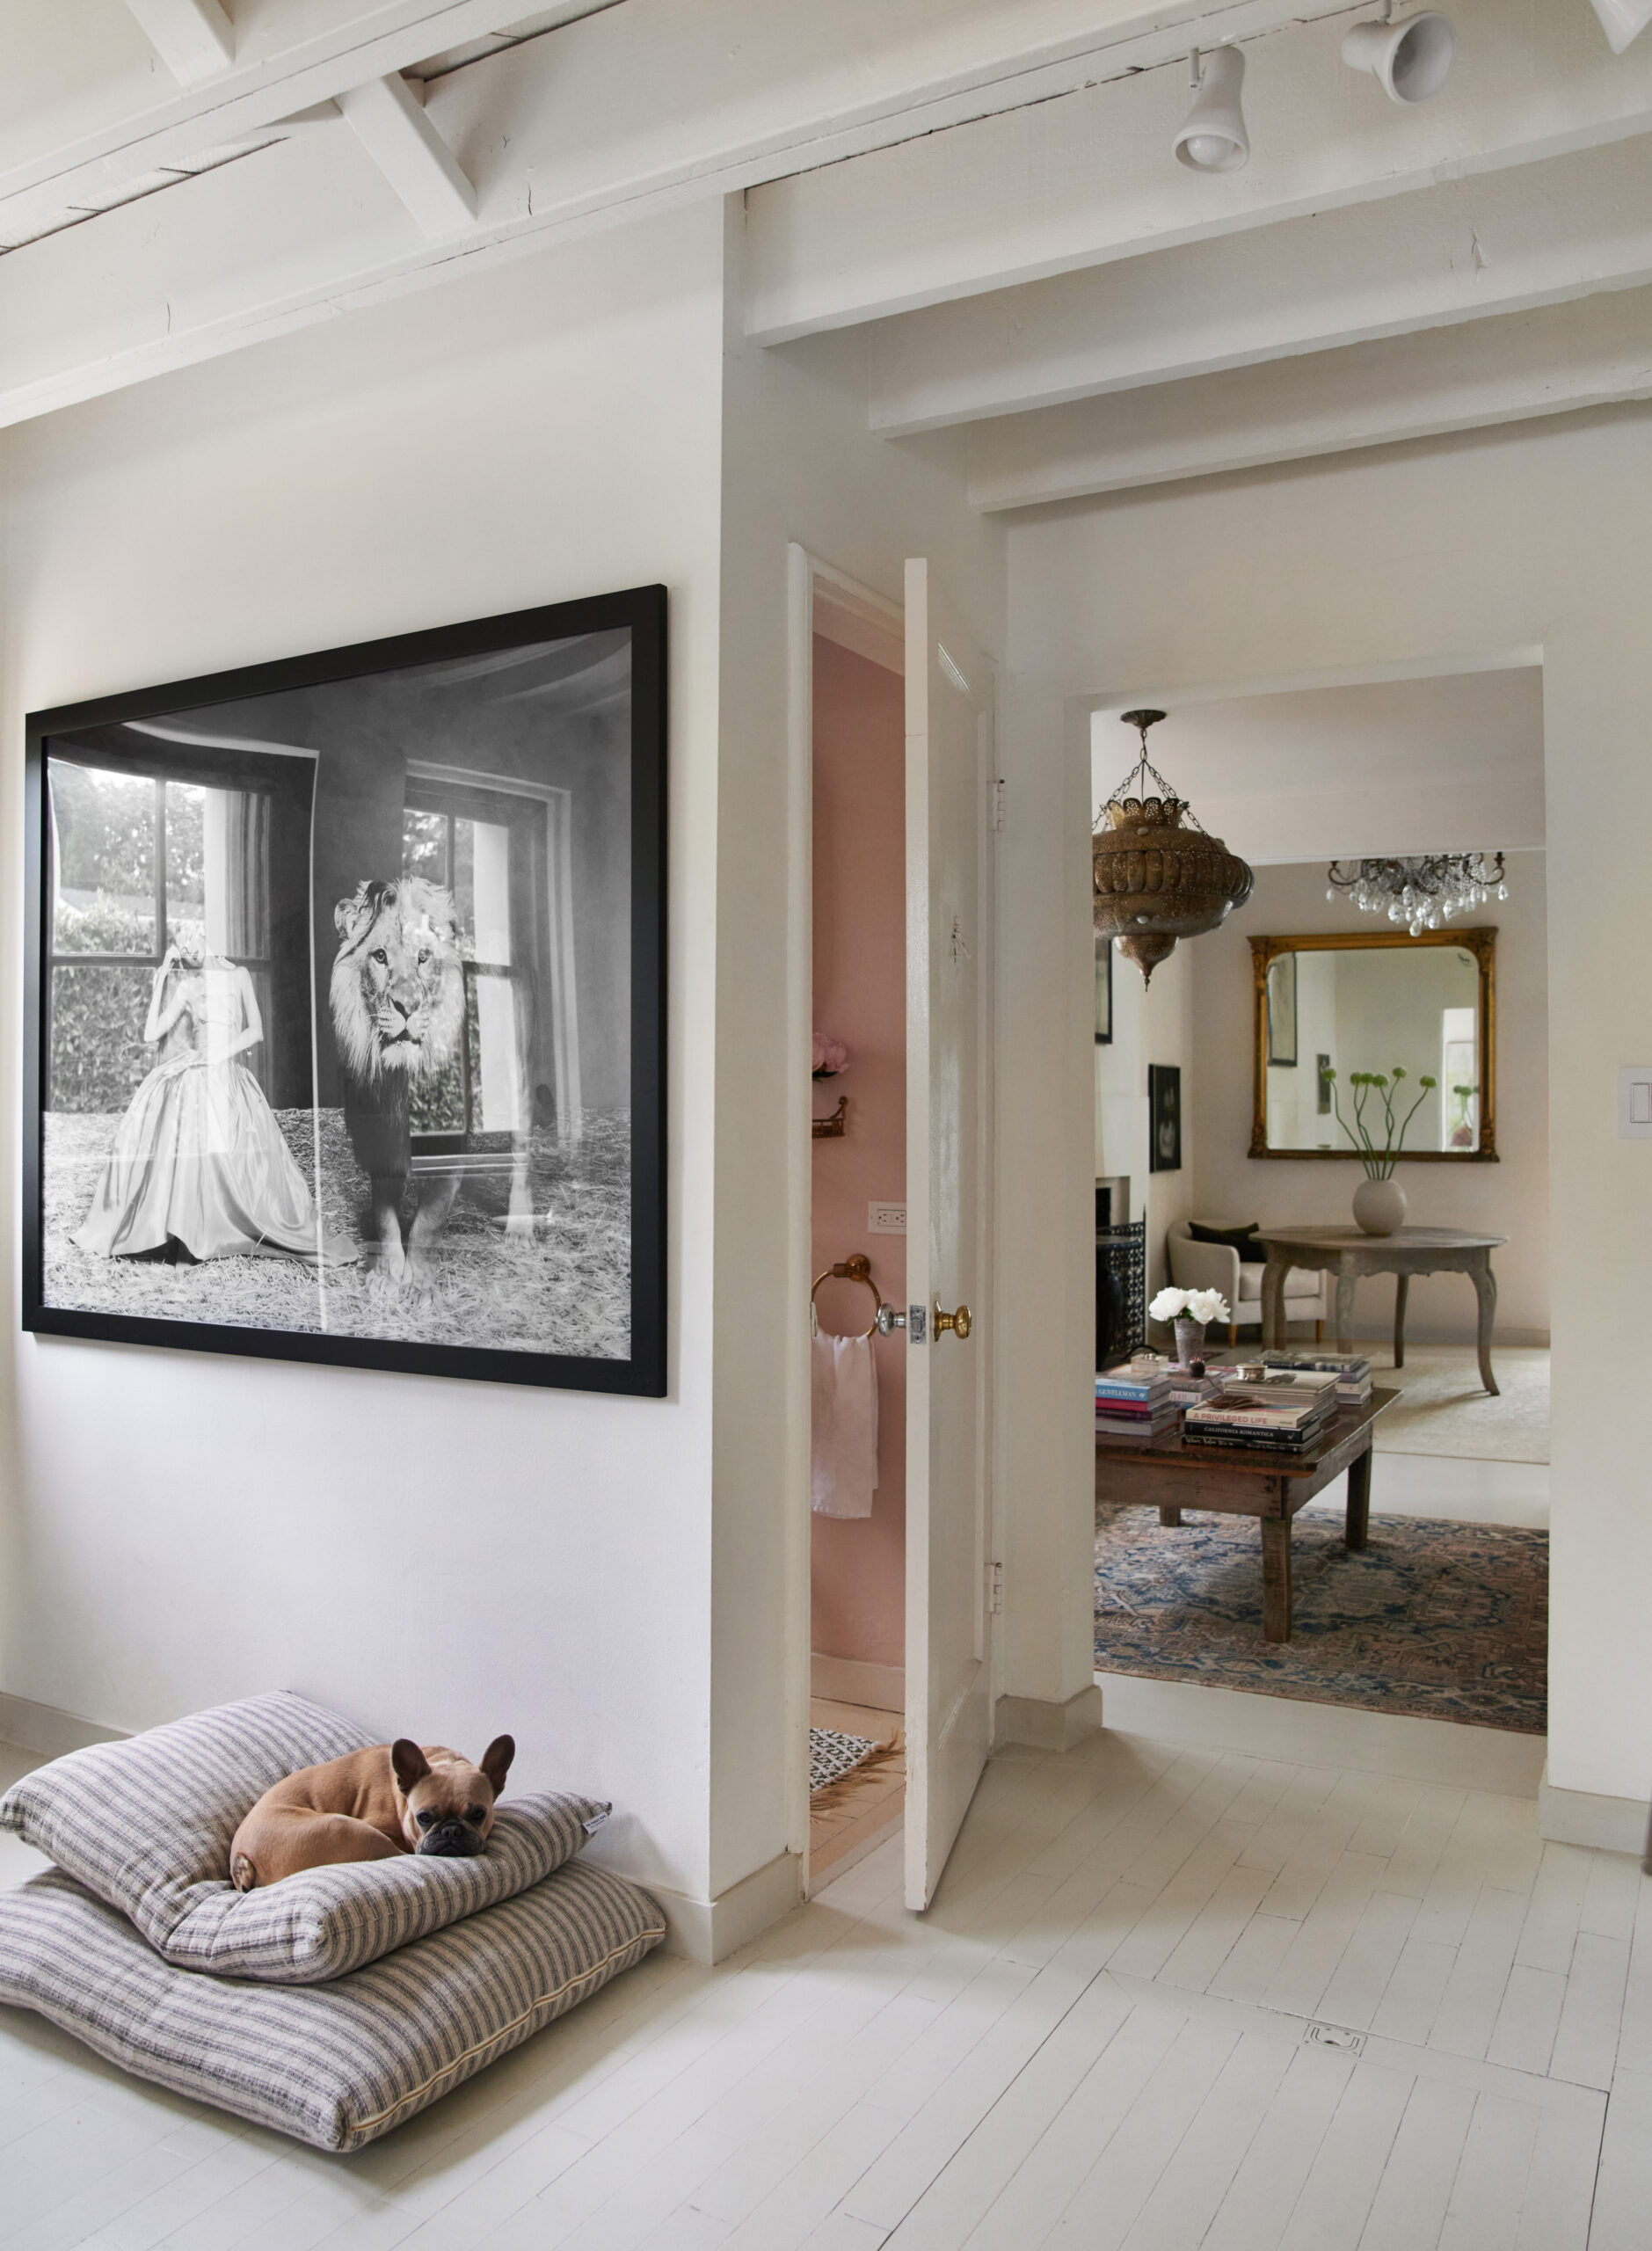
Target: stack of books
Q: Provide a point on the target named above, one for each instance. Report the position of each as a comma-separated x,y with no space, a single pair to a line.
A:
1134,1403
1286,1414
1351,1370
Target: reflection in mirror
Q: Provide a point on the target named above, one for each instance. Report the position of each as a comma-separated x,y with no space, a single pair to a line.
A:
1328,1006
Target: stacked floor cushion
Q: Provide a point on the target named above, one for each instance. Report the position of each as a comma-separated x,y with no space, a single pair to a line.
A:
333,2005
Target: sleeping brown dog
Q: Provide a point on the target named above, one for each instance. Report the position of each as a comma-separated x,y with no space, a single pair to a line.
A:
370,1806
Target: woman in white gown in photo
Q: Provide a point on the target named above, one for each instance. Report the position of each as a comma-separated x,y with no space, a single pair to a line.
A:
199,1159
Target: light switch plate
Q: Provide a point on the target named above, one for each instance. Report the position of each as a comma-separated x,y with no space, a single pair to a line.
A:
886,1219
1635,1103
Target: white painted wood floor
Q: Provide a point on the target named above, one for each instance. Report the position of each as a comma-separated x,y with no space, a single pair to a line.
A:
1100,2036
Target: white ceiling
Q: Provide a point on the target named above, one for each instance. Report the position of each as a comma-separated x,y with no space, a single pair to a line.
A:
985,187
1447,764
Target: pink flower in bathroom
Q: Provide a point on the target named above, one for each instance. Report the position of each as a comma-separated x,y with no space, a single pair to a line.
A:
831,1056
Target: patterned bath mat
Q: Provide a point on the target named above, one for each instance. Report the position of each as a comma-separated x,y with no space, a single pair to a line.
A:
1441,1620
831,1756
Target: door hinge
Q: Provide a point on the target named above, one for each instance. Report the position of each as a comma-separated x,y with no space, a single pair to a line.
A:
994,1590
995,806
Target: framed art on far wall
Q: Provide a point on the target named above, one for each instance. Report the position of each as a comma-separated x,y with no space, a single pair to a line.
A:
1164,1113
1103,991
345,1008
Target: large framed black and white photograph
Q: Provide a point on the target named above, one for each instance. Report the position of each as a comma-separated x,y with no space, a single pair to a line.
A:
345,1030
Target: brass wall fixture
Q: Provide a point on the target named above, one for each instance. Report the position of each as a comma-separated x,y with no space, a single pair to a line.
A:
1158,877
857,1267
834,1128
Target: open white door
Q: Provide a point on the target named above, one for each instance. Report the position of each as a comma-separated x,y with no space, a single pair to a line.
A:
948,1067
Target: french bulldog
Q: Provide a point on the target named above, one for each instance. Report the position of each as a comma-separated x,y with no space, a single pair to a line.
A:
370,1806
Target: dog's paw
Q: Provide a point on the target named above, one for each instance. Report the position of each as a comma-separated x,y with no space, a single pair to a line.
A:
243,1874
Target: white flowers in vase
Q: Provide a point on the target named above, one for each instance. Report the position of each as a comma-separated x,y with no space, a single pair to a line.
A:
1189,1305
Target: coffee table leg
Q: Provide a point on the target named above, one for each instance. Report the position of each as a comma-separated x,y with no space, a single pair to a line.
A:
1357,1523
1276,1578
1486,1291
1170,1516
1401,1291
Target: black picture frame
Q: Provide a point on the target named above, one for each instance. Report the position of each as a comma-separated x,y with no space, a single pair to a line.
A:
1103,991
630,627
1282,1013
1164,1117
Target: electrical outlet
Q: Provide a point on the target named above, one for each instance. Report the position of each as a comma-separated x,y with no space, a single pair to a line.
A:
886,1219
1635,1103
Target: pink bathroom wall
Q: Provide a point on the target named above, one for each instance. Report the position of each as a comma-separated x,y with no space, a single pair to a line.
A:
859,1566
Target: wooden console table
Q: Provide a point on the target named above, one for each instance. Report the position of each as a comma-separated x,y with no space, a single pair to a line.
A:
1245,1480
1348,1253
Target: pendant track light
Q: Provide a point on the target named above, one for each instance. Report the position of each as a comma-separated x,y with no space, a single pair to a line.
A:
1213,138
1623,20
1411,60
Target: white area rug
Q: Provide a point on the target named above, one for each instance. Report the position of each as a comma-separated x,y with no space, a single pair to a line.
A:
1443,1410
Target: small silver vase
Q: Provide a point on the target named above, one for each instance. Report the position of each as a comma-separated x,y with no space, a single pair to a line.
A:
1190,1343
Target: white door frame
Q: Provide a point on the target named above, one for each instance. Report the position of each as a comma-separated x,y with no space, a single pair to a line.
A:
862,609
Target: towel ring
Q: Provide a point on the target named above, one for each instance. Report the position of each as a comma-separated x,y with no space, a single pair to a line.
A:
856,1268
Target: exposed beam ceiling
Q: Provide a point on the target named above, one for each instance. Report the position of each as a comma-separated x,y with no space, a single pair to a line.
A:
1560,358
1496,242
389,120
193,38
1075,183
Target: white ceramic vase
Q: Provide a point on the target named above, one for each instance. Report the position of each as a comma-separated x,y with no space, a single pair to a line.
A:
1379,1206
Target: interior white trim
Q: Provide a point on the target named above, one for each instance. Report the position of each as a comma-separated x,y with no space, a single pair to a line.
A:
1610,1825
1047,1726
706,1930
850,1680
47,1731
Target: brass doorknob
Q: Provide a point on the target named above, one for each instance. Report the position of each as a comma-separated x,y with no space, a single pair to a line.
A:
959,1323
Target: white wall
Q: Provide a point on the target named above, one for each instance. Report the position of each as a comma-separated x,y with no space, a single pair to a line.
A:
442,1559
1508,1198
1502,541
1151,1025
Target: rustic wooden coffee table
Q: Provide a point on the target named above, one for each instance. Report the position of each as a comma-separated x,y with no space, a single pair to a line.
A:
1234,1481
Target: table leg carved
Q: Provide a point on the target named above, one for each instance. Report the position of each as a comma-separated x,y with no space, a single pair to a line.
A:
1401,1291
1344,1308
1486,1292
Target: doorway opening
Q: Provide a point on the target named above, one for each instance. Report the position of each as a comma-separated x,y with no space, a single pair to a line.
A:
1439,1614
857,1221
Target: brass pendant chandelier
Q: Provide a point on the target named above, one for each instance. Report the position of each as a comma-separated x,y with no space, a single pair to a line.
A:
1158,877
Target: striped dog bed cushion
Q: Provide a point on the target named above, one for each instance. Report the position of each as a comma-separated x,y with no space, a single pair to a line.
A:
146,1824
338,2065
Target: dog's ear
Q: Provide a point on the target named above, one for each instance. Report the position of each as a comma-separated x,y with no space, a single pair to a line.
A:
409,1764
495,1760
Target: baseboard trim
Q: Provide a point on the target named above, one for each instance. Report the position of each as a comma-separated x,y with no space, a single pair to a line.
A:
708,1930
1047,1726
47,1732
850,1680
1611,1824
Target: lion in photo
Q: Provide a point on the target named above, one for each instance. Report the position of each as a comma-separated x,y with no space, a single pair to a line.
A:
398,1015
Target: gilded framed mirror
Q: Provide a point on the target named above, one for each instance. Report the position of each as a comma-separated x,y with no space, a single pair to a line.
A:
1337,1002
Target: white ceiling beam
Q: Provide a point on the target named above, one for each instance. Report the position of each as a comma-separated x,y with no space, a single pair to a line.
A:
1497,242
758,86
1077,182
194,38
290,54
387,119
1593,354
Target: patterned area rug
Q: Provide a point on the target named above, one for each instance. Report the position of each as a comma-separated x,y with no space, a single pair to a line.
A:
1437,1620
831,1756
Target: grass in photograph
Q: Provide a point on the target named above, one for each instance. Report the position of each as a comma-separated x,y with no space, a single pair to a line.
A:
565,1288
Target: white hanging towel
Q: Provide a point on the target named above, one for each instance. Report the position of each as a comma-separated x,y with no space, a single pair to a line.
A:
844,1379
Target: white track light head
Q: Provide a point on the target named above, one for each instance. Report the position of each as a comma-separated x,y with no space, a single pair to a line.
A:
1411,61
1213,139
1623,20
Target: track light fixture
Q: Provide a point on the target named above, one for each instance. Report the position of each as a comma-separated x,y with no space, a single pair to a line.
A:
1623,20
1213,138
1412,60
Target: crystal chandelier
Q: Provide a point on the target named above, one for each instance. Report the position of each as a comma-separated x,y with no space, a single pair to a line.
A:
1157,877
1422,894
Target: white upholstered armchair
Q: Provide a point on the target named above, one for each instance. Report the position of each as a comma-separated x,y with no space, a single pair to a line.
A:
1217,1266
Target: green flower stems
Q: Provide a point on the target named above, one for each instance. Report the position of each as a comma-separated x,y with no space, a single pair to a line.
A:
1379,1158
